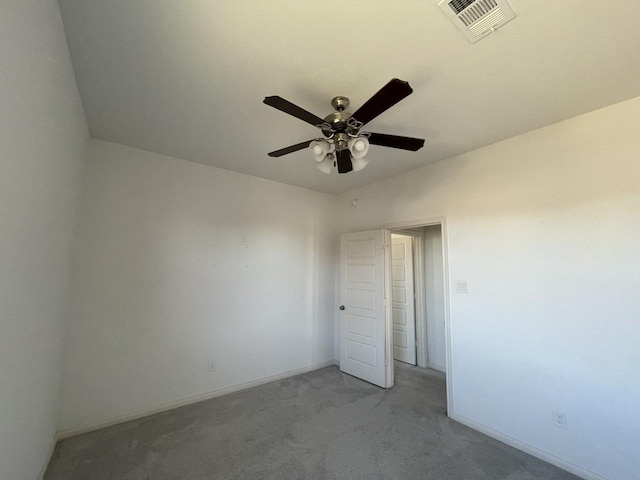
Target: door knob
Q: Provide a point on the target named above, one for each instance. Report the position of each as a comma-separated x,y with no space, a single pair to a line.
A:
341,307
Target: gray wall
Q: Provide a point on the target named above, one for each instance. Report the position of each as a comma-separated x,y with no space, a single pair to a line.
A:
545,229
180,264
42,138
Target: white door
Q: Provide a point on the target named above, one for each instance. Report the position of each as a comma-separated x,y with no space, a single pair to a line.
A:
362,316
403,307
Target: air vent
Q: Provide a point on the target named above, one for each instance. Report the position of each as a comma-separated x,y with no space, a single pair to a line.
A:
477,18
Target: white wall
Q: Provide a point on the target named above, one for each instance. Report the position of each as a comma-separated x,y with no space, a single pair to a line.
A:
42,137
434,286
163,284
545,228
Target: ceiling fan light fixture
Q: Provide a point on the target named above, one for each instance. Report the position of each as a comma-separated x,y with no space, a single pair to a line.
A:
359,147
325,166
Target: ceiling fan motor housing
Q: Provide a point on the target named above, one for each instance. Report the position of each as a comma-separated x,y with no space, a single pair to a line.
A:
336,123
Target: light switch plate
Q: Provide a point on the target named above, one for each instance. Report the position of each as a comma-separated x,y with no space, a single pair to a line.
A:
462,287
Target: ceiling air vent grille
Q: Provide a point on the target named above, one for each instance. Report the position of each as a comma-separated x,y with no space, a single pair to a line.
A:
477,18
459,5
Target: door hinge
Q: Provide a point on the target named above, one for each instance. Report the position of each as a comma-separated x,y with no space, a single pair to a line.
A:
386,362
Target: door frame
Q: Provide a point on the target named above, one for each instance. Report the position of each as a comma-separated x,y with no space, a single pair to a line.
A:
417,223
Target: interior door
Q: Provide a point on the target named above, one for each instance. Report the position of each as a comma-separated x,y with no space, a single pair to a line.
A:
362,316
403,306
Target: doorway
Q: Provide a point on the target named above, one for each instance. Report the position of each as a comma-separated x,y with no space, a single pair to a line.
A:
374,332
430,259
418,314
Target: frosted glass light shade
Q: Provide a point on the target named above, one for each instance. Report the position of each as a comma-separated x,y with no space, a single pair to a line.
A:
319,149
325,166
359,163
359,147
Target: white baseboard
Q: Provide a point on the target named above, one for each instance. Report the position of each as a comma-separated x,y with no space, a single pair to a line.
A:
434,366
530,449
73,431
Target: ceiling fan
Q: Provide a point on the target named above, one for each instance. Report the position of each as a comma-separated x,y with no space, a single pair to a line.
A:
344,145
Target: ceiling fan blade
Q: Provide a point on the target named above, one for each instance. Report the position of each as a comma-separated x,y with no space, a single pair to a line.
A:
343,159
387,97
288,107
290,149
396,141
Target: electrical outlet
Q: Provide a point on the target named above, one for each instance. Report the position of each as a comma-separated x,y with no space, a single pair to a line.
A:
559,419
212,367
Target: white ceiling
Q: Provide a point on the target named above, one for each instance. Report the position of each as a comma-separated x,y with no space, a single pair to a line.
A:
187,78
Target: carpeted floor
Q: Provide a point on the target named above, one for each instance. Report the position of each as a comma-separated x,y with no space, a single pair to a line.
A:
320,425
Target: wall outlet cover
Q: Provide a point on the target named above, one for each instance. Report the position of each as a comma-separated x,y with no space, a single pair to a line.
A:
560,419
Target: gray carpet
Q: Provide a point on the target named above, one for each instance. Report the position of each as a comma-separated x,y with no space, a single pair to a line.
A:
320,425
